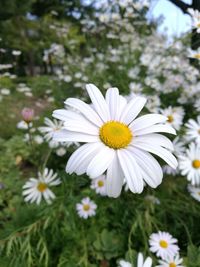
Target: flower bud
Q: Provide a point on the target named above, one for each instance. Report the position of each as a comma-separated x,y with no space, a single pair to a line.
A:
27,114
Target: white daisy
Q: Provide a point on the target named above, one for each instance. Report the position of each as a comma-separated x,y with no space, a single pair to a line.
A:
189,164
99,185
194,192
143,263
87,208
193,130
116,141
174,116
35,189
123,263
163,245
174,261
195,18
140,262
51,127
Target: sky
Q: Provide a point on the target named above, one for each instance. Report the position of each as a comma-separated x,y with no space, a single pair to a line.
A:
175,21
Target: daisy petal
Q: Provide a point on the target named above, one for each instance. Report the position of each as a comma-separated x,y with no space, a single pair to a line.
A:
114,178
98,101
100,162
132,109
67,136
85,109
131,171
112,99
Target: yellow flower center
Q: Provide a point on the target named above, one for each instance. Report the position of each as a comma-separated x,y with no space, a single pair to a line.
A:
163,244
42,187
196,164
86,207
197,56
198,25
170,118
172,264
100,183
115,134
199,131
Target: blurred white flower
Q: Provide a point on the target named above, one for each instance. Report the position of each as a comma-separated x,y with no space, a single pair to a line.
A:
36,189
194,192
174,261
99,185
87,208
163,245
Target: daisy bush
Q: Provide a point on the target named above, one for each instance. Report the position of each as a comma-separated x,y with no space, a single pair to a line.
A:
100,137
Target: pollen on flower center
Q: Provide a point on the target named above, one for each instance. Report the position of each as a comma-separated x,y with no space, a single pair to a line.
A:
196,164
86,207
100,183
163,244
42,187
170,118
115,134
172,264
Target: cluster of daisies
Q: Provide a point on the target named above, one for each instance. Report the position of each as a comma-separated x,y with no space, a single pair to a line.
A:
165,247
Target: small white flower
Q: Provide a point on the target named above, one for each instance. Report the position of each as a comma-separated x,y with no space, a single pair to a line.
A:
61,151
5,91
99,184
174,116
87,208
34,189
163,245
194,192
189,164
23,125
193,130
51,127
123,263
195,18
140,262
174,261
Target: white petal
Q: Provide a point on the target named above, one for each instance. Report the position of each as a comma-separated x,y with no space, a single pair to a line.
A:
85,109
113,101
140,260
161,152
100,162
68,136
162,128
153,139
148,262
132,109
80,159
98,101
114,178
131,171
146,121
151,170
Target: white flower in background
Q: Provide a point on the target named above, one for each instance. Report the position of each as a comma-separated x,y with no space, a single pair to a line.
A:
193,130
153,103
5,91
16,53
174,261
195,18
99,185
51,127
189,164
194,192
36,189
152,199
61,151
23,125
38,139
179,146
87,208
140,262
123,263
174,116
116,142
197,104
194,53
163,245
